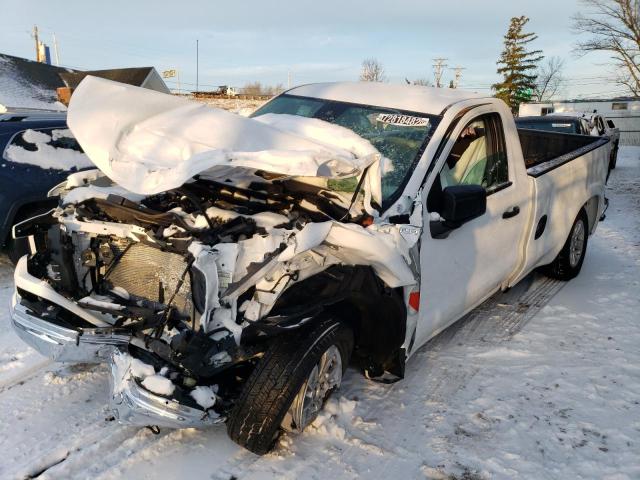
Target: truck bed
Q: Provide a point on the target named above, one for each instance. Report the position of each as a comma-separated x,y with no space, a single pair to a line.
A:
564,171
543,150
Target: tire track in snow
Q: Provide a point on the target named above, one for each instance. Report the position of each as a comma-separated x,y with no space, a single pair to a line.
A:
503,315
20,375
49,415
101,453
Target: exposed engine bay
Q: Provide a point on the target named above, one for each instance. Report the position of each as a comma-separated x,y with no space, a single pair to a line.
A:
198,279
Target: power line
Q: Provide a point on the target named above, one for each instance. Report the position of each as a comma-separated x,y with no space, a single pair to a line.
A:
438,68
458,75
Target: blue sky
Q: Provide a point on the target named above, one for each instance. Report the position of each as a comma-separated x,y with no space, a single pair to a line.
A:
314,40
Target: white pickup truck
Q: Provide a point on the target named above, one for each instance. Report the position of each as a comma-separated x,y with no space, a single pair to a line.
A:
230,268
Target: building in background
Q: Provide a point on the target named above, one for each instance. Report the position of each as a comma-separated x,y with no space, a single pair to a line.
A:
624,111
146,77
26,84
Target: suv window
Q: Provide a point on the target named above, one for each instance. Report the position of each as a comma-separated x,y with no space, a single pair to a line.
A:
54,148
478,156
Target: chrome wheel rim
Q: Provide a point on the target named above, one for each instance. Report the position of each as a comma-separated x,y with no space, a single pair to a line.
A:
325,377
577,243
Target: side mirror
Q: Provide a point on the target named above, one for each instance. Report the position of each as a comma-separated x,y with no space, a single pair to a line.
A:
460,204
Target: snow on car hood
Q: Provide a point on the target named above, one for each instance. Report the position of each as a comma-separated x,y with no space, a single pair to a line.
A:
149,142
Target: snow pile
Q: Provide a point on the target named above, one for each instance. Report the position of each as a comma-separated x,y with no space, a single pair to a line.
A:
149,142
158,384
46,155
139,369
204,395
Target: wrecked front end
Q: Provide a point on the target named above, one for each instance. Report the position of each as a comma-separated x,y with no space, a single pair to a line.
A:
182,292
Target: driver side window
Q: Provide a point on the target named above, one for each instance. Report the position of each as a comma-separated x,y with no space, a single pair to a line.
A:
478,156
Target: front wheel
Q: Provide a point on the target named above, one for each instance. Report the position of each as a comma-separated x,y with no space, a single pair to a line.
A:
290,385
568,263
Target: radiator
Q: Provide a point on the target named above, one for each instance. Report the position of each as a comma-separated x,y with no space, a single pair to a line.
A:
152,274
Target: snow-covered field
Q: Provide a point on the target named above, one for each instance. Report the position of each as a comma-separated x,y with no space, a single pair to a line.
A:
540,382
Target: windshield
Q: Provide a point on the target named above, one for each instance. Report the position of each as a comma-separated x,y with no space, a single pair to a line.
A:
400,136
560,126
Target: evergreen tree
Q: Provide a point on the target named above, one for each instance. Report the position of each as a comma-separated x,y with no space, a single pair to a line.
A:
517,65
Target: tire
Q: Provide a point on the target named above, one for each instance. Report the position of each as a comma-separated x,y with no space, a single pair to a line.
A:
278,378
565,266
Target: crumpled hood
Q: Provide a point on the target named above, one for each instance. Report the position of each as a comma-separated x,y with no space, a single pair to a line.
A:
149,142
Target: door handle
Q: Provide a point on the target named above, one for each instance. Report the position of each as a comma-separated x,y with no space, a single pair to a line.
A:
512,212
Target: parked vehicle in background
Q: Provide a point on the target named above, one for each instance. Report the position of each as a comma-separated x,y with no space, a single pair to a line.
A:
555,123
624,112
605,127
240,264
38,152
597,125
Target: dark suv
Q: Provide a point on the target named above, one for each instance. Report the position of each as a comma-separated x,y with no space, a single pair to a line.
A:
38,152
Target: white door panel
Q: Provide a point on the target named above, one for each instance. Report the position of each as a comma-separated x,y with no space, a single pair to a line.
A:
461,270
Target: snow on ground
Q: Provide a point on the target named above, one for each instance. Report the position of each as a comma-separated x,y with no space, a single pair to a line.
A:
540,382
240,106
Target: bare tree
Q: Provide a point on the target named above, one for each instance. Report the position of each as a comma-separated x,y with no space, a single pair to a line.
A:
252,88
257,88
614,28
549,79
424,82
372,71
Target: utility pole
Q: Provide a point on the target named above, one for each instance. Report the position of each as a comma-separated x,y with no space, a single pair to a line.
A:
55,49
35,36
438,68
197,65
458,75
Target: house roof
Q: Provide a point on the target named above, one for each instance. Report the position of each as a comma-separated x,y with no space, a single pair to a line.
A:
130,76
29,84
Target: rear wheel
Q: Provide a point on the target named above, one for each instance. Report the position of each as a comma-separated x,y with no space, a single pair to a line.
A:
290,385
568,263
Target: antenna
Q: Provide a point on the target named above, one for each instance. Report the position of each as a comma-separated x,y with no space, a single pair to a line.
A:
197,65
438,68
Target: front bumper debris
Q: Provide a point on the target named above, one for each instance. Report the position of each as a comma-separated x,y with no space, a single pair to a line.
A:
132,404
87,345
